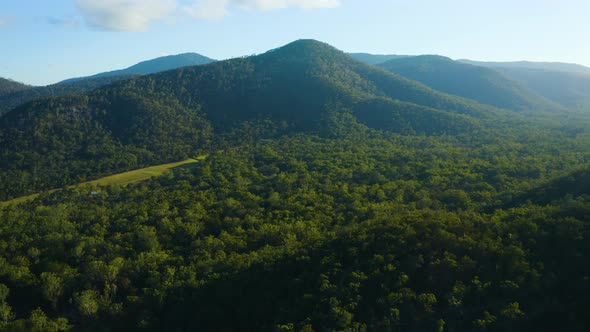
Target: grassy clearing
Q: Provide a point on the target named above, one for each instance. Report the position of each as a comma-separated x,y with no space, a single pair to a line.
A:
122,179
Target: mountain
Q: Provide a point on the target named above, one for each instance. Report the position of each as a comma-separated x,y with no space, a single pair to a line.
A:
306,86
482,84
84,84
317,75
154,66
549,66
374,59
566,88
563,83
9,86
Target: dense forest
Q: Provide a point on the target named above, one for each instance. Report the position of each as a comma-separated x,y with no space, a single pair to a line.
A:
376,232
334,196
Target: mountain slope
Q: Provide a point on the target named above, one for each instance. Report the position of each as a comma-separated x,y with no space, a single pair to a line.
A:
85,84
305,86
478,83
15,99
9,86
563,83
566,88
317,74
375,59
154,66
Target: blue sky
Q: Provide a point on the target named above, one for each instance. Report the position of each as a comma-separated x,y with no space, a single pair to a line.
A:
45,41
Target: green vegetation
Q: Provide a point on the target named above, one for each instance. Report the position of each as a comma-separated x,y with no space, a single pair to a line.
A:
140,174
306,233
305,86
482,84
12,100
57,142
120,179
335,196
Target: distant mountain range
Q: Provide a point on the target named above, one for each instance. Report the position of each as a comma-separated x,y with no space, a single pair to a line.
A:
17,94
548,66
153,66
564,83
530,85
481,84
569,89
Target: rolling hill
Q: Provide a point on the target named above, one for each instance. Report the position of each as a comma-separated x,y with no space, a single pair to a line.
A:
482,84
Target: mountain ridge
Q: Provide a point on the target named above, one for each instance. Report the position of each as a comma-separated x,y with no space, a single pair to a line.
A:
11,100
484,85
8,86
550,66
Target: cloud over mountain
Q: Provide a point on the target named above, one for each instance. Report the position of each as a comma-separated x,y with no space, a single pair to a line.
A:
218,9
125,15
137,15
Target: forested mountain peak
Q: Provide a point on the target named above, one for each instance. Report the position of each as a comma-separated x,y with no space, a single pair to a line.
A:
305,50
154,66
169,62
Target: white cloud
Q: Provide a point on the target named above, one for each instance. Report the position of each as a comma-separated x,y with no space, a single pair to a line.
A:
209,9
124,15
137,15
280,4
218,9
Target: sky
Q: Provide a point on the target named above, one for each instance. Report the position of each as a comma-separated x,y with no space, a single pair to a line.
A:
46,41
